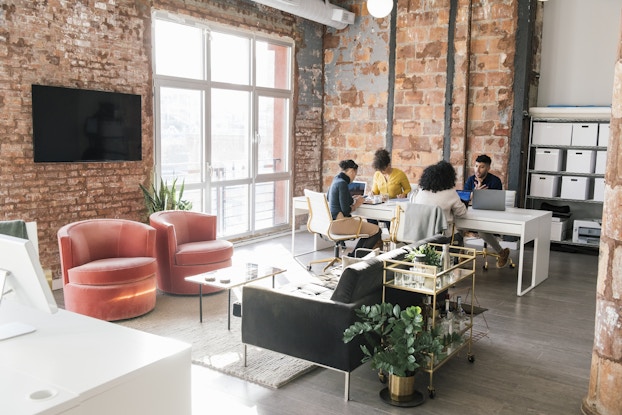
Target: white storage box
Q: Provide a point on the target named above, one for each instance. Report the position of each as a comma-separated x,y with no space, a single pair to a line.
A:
577,188
559,229
601,162
580,161
548,159
599,189
603,135
552,133
584,134
544,185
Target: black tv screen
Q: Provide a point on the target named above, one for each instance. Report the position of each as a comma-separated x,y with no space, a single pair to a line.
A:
72,125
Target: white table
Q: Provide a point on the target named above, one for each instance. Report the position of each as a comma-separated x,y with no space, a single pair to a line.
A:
528,224
81,365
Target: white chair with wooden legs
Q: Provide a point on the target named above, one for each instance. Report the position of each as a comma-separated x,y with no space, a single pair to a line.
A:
321,223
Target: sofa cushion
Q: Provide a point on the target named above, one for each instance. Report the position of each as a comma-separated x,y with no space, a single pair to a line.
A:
363,278
204,252
113,271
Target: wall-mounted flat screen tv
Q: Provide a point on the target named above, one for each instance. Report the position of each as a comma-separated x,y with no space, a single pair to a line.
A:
79,125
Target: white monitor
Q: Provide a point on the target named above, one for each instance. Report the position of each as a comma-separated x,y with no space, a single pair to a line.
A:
22,280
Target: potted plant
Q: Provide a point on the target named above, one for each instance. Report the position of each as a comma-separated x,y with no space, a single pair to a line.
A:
165,197
427,253
396,344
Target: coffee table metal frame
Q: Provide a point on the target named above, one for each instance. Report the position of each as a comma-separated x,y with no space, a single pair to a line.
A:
237,276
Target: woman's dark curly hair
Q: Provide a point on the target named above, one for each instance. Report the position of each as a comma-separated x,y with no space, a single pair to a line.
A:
382,159
437,177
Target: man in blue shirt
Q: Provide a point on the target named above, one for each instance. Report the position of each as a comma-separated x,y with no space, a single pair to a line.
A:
483,179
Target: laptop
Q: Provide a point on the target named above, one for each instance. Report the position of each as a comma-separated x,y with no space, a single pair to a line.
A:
357,188
487,199
464,195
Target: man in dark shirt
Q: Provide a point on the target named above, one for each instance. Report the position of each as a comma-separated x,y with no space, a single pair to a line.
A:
483,179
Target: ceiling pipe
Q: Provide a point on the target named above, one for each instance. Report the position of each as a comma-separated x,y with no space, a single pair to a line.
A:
319,11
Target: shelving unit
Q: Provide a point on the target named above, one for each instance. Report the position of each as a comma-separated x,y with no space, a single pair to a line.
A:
566,166
432,282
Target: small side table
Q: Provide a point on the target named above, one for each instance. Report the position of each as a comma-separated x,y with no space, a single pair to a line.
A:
234,276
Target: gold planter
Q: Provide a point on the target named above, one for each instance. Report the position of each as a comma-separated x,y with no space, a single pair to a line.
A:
401,388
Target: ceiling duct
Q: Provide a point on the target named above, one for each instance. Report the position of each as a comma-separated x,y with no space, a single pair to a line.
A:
316,10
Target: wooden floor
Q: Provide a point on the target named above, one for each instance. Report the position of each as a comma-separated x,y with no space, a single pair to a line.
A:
535,358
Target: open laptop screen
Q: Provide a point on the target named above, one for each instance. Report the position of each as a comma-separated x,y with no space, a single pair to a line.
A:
488,199
464,195
357,188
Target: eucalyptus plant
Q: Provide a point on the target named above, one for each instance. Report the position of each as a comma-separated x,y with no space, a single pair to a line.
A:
396,341
432,256
165,197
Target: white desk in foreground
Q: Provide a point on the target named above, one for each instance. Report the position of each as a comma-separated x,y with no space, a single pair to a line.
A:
79,365
528,224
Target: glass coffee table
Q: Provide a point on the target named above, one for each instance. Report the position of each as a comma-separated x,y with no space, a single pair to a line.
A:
234,276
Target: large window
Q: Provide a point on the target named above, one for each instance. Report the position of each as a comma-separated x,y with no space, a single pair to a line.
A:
223,121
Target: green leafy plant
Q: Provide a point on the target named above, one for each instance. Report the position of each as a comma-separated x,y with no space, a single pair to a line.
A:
432,256
396,342
165,197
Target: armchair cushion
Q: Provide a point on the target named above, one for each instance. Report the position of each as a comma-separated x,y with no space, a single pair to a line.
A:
204,252
112,271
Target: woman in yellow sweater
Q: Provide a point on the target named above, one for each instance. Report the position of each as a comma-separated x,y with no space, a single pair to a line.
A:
388,180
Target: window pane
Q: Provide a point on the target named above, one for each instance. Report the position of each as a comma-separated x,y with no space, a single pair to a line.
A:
271,204
230,134
194,196
230,60
273,65
178,50
273,124
230,205
181,115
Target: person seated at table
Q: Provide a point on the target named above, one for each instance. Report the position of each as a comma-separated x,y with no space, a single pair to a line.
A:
437,187
388,180
342,204
483,179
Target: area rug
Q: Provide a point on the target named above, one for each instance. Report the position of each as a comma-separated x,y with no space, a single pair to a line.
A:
214,346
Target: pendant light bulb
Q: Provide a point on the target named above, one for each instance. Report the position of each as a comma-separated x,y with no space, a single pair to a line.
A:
379,8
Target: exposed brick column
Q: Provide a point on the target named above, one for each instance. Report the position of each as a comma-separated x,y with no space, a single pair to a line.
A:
604,394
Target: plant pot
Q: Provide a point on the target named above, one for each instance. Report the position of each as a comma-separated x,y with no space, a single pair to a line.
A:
401,388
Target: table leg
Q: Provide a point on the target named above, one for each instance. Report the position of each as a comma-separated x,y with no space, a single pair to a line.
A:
229,310
200,303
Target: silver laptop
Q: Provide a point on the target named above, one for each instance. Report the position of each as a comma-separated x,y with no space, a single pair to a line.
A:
357,188
487,199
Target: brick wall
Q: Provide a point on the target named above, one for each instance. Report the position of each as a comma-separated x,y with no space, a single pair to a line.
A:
356,62
106,45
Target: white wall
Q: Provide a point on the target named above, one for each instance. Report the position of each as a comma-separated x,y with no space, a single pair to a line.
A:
579,49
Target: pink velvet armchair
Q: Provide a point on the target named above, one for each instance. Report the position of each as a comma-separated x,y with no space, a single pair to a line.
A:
108,268
186,245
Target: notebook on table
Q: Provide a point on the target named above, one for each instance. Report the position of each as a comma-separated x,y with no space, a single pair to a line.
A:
487,199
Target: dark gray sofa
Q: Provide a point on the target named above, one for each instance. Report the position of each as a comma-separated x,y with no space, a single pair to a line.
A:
311,327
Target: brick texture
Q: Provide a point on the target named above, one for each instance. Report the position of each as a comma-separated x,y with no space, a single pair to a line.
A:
420,85
106,45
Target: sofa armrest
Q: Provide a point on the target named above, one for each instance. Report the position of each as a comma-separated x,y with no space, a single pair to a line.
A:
306,328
